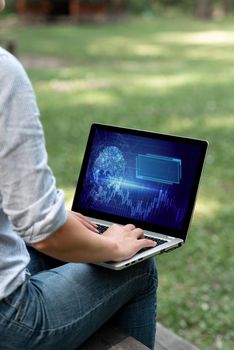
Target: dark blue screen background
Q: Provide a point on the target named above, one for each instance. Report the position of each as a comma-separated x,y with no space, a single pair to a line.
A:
112,183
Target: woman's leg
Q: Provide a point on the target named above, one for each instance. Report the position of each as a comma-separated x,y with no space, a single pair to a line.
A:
138,317
60,308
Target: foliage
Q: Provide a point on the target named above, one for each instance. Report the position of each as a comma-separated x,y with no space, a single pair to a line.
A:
168,74
10,6
153,6
139,6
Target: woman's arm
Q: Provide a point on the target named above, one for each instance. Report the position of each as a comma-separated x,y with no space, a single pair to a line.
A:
29,197
73,242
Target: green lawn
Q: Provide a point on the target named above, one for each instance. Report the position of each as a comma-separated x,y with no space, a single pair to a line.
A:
168,74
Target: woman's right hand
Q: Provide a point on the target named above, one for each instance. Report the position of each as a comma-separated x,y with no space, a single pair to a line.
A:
128,240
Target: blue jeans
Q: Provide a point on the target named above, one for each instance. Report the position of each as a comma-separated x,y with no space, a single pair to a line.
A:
60,305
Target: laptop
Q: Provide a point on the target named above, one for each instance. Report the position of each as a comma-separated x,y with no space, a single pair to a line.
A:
140,177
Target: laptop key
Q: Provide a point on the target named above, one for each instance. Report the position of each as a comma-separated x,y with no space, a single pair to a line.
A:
155,239
101,228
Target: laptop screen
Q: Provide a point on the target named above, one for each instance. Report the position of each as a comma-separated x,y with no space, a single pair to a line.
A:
144,178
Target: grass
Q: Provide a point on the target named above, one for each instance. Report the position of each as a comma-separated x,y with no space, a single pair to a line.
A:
168,74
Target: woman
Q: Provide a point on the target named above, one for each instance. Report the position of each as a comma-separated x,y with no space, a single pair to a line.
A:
49,296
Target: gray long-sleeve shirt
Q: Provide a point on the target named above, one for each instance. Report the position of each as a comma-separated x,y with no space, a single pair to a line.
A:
31,208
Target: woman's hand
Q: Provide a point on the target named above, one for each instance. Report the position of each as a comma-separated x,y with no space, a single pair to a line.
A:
128,240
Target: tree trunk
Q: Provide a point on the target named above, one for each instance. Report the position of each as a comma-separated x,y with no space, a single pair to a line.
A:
226,6
204,8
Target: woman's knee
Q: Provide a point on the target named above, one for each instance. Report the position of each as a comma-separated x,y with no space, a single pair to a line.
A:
152,271
148,270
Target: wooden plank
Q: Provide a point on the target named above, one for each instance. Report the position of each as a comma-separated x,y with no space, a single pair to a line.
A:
167,340
109,338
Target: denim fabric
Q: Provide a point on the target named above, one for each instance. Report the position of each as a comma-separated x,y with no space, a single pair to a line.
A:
61,307
31,207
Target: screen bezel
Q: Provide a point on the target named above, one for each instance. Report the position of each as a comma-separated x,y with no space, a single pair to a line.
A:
177,233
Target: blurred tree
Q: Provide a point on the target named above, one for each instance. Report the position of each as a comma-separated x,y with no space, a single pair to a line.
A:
52,8
204,8
139,6
227,6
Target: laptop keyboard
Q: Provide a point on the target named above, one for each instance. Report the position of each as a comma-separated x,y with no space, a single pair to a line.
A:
102,228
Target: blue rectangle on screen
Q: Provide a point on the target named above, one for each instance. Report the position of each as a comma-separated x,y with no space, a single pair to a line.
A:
158,168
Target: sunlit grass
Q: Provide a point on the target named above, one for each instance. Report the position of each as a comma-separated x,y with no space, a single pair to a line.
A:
222,122
173,75
69,194
207,208
207,38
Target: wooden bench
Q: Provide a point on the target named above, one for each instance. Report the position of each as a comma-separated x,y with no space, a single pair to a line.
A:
108,338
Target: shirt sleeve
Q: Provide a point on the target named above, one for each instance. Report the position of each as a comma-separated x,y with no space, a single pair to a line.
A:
28,191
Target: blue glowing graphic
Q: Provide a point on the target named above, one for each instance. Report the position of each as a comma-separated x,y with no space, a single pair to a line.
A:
158,169
108,170
138,177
